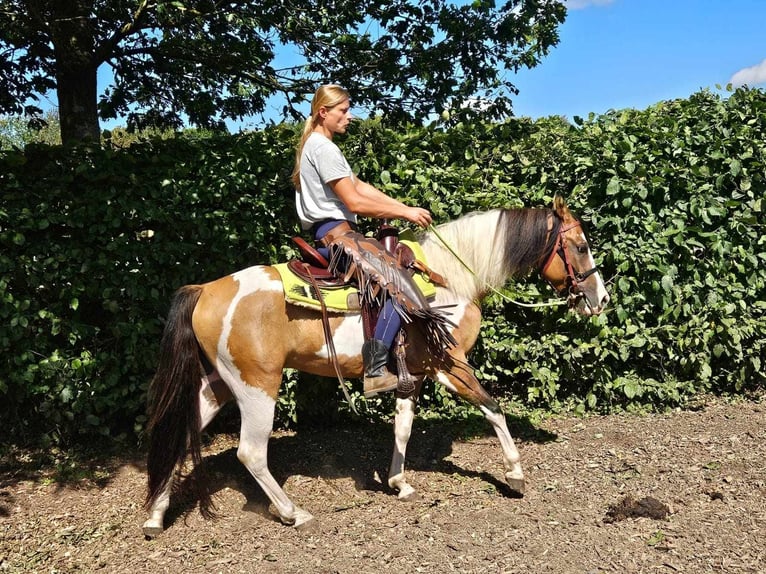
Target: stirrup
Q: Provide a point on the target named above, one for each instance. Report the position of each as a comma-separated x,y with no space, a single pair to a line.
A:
406,382
384,383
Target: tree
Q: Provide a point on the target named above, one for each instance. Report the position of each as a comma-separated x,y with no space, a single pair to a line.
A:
202,61
15,131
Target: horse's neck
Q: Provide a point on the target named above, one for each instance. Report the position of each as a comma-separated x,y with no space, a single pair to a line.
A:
469,253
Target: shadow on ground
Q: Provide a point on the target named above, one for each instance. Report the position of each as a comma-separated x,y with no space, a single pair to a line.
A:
360,451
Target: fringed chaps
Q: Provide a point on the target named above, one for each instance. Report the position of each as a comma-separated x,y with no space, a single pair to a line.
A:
379,277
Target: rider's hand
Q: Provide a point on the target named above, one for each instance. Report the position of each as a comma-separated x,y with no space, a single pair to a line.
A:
418,216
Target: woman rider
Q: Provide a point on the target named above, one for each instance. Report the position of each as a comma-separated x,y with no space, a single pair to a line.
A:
328,199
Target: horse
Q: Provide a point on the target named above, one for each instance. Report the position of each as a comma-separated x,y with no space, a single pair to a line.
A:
242,327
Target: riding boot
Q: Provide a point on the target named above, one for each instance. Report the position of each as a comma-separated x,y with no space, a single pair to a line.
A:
377,377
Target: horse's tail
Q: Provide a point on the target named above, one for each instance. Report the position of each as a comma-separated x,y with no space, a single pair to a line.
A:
173,403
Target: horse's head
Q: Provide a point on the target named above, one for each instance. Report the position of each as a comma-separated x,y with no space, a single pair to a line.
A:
570,268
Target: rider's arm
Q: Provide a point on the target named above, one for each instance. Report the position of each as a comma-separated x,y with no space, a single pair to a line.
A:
368,201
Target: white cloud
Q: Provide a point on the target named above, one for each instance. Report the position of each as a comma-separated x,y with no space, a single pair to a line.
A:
751,76
580,4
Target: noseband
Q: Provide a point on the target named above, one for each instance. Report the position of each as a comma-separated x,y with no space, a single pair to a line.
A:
572,288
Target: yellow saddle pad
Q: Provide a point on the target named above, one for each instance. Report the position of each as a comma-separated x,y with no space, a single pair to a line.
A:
342,299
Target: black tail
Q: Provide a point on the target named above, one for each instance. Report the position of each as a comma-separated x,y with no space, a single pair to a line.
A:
174,417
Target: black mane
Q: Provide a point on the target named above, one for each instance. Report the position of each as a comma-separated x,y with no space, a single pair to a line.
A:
528,242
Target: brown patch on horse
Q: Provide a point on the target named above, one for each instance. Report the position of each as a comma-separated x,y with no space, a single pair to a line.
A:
209,313
556,273
453,364
260,360
419,360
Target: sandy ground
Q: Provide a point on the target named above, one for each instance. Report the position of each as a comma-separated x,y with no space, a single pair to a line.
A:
706,467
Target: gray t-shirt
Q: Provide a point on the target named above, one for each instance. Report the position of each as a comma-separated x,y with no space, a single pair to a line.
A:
321,162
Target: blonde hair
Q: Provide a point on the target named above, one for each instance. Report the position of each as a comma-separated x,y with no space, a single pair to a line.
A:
327,96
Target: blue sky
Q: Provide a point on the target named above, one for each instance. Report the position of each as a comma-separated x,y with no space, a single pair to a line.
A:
616,54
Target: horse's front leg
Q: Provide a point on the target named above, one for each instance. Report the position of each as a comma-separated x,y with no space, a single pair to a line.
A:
460,380
405,414
514,475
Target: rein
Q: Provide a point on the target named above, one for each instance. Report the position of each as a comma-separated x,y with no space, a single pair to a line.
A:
574,278
329,341
505,297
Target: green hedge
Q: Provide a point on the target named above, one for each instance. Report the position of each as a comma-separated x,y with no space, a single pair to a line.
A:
94,242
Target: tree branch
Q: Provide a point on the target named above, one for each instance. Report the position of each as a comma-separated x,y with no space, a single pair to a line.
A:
103,51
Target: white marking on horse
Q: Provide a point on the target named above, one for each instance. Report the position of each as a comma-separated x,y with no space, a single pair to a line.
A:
405,414
444,380
347,337
257,411
601,292
511,457
255,279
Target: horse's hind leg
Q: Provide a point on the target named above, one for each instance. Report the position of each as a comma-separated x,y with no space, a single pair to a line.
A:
461,381
257,411
154,525
212,396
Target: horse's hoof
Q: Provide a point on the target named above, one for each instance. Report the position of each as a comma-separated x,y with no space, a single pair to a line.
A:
517,486
311,526
152,530
410,496
407,493
301,519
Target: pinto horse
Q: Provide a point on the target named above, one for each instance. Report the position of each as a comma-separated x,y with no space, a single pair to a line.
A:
241,326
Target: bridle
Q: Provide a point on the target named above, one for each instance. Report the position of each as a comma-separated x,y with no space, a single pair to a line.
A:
571,289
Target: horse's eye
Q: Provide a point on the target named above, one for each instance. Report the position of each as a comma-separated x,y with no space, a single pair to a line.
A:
582,249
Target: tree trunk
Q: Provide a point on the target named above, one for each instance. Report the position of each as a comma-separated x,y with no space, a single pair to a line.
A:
77,105
76,68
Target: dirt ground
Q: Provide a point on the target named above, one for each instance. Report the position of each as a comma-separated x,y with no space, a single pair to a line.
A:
704,467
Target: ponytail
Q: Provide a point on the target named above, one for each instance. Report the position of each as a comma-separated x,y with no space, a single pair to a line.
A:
327,96
308,127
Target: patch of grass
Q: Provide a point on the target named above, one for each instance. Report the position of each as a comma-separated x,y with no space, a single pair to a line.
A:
656,538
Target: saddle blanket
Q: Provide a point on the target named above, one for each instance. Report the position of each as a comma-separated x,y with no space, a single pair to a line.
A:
343,299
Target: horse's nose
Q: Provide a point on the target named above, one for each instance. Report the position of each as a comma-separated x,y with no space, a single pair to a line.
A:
597,310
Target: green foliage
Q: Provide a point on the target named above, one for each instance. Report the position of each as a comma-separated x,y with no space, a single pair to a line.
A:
95,241
16,131
202,62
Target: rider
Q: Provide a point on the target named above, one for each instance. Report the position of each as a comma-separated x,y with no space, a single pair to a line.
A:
328,198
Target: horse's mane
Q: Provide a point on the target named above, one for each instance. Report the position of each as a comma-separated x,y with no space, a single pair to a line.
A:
496,245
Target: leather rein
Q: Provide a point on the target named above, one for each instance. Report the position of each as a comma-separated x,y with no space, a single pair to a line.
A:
571,289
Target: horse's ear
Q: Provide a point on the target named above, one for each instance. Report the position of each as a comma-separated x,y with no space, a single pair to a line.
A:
561,209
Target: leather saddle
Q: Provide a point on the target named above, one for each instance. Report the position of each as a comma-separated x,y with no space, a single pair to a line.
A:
312,266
